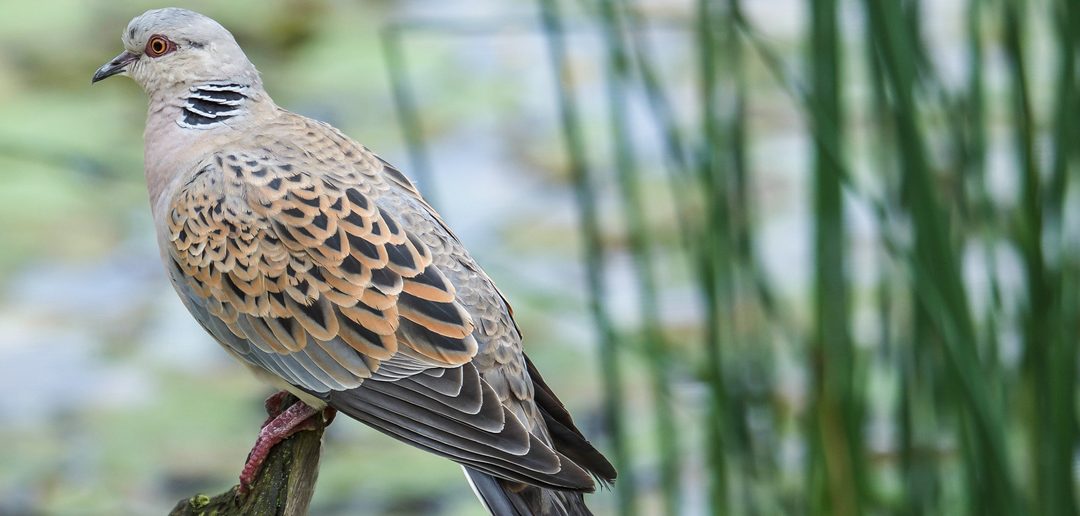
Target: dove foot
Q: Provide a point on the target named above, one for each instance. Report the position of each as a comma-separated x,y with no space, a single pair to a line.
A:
275,405
281,424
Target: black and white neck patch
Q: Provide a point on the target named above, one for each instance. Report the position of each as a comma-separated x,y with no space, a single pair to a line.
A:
212,103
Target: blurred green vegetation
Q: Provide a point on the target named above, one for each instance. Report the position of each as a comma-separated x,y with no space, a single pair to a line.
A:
938,379
796,257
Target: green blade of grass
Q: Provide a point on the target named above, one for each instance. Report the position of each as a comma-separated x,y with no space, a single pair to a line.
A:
1050,354
837,442
1029,237
585,195
405,103
716,242
634,211
936,272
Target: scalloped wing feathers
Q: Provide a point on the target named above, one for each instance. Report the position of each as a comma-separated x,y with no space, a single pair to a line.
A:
288,247
310,258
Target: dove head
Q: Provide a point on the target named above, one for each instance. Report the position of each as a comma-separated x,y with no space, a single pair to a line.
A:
171,49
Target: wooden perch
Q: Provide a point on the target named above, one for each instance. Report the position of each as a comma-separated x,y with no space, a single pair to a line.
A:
284,485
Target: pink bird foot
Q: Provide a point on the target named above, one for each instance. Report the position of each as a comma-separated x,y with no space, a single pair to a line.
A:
280,426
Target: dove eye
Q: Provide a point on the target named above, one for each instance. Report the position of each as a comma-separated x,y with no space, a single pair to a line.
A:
158,46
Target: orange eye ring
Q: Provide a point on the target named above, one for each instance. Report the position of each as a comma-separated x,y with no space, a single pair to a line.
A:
158,46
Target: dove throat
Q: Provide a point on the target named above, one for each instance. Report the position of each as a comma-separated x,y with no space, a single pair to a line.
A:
184,125
210,104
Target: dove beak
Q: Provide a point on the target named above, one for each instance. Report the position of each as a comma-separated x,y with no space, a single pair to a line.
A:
117,65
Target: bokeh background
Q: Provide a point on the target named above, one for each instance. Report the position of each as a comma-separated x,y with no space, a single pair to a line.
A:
778,256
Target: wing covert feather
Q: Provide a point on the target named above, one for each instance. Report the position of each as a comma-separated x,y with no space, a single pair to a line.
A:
315,260
301,263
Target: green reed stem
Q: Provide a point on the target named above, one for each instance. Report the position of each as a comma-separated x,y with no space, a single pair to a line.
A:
635,212
585,196
936,271
1051,395
405,102
716,241
838,435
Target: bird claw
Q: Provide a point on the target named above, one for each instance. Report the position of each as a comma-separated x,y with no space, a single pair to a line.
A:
275,404
281,425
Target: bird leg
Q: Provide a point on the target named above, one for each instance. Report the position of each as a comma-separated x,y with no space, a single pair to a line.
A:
279,426
275,404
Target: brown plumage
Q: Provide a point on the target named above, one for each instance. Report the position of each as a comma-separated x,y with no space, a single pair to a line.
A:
321,267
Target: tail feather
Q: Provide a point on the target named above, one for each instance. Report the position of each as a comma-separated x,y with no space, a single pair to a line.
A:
514,471
504,497
565,436
507,498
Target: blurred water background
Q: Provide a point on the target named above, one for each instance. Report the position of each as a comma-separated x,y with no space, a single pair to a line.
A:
778,256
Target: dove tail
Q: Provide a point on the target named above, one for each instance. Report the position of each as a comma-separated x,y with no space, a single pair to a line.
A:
508,498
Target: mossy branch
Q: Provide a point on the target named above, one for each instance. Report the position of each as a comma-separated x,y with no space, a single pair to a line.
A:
284,485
